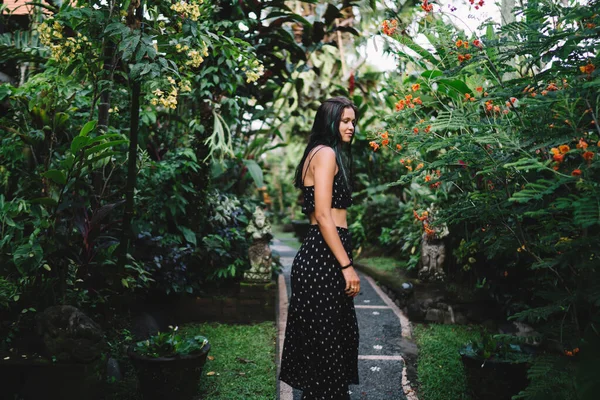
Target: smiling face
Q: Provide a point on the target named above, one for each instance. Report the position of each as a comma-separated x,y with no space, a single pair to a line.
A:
347,123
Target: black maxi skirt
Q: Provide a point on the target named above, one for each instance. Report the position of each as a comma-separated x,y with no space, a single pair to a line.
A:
320,349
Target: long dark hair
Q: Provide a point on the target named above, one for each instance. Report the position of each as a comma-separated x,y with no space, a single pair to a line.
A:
326,131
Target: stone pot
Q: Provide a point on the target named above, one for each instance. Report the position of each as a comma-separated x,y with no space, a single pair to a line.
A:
494,379
175,378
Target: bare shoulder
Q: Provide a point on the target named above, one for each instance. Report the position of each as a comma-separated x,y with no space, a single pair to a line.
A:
323,154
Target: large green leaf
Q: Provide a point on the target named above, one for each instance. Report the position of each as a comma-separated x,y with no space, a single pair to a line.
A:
87,128
255,172
56,176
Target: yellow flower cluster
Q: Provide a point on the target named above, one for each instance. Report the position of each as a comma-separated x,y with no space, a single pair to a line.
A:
188,10
166,100
196,57
256,71
184,86
63,50
181,48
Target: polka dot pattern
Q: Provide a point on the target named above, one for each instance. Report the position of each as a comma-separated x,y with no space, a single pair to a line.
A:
341,197
320,350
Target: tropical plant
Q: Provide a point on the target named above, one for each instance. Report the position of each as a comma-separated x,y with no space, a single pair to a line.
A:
506,126
170,344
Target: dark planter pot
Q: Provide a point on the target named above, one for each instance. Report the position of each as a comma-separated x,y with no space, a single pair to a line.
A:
42,379
301,228
176,378
494,379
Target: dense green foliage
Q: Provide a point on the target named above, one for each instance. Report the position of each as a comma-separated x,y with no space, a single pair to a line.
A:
502,130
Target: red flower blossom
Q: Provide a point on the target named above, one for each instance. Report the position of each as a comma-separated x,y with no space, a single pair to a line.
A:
576,172
389,27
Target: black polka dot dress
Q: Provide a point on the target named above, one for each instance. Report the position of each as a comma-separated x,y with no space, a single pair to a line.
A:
320,350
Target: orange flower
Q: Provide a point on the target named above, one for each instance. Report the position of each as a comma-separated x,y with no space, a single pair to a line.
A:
400,105
564,148
427,178
427,129
554,151
576,350
552,87
417,100
467,57
467,96
415,87
385,142
582,145
408,97
374,145
389,26
479,89
576,172
410,105
588,155
587,69
489,105
533,94
544,92
384,135
555,167
426,6
466,44
420,165
558,157
497,109
408,167
416,130
461,58
398,147
459,43
428,231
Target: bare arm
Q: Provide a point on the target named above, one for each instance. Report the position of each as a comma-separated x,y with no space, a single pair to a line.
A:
323,169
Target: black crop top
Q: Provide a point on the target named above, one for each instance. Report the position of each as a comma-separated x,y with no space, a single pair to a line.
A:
340,196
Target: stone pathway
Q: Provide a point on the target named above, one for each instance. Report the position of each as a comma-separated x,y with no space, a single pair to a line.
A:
383,329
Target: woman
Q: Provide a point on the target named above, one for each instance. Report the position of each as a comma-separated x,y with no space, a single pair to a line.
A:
320,350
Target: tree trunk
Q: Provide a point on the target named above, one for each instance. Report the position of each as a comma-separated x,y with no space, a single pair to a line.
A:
126,233
506,11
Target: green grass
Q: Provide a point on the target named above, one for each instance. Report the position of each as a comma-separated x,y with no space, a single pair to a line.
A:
385,264
244,361
252,376
439,366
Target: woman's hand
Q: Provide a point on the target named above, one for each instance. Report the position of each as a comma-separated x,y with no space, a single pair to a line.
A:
352,281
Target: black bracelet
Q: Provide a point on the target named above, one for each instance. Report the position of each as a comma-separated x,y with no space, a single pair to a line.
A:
347,266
